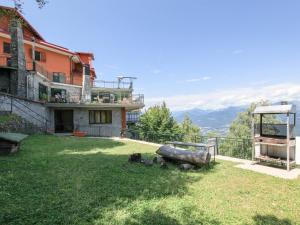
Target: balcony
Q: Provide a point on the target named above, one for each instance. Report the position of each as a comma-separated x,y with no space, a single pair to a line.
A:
5,61
74,79
118,98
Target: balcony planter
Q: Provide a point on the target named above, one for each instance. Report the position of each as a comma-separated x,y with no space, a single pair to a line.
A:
78,133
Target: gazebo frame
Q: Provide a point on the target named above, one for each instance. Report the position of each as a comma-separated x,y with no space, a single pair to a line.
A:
288,141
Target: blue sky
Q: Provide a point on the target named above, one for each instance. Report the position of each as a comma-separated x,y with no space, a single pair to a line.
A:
201,53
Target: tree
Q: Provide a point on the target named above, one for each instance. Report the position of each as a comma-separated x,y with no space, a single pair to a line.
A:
13,14
191,132
158,125
19,4
238,142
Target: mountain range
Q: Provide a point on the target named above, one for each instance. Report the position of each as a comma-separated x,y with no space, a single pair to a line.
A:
220,120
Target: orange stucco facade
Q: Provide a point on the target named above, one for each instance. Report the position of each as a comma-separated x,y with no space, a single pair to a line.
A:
53,58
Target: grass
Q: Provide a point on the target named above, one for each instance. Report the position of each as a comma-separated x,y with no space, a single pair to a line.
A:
66,180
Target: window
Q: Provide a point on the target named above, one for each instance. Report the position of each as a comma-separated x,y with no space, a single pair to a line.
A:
59,77
100,116
43,92
6,47
38,56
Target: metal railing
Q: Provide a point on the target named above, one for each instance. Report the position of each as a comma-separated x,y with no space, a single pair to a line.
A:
39,68
133,117
135,99
232,147
112,84
15,105
5,60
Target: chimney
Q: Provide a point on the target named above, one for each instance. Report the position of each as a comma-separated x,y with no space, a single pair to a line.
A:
86,84
18,76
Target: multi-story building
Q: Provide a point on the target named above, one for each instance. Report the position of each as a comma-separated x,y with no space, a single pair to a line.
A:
61,81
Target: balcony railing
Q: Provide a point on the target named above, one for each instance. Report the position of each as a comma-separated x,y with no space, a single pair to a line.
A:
135,99
112,84
133,117
66,79
5,60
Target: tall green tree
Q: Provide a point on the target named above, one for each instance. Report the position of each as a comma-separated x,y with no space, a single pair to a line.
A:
191,132
19,4
238,142
158,125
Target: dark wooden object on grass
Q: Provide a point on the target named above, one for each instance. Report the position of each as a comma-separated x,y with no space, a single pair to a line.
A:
136,157
10,142
198,158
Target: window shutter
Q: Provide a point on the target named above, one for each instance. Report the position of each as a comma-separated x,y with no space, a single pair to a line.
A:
43,56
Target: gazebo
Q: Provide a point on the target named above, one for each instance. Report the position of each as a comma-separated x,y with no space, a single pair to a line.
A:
274,139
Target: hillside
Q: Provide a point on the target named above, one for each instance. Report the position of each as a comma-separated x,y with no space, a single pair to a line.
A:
220,120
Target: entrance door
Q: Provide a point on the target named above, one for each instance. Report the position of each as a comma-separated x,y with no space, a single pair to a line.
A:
63,121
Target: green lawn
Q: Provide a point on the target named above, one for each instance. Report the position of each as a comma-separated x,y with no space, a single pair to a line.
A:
66,180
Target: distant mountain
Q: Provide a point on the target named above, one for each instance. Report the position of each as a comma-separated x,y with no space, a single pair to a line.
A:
211,120
220,120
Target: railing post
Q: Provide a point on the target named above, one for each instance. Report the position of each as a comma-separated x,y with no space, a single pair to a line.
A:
217,145
46,126
11,104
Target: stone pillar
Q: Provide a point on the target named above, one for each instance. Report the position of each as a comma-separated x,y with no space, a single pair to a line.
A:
18,76
86,85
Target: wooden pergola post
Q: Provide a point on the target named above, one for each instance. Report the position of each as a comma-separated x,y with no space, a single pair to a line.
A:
288,143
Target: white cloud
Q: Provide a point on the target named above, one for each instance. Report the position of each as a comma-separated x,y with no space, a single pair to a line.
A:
238,51
196,79
206,78
230,97
156,71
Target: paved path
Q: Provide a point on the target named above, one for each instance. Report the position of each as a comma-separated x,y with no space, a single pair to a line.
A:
268,170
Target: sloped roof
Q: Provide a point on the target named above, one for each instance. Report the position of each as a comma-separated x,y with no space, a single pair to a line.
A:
275,109
13,137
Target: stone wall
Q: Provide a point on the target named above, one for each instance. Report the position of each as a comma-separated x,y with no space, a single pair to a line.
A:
18,77
34,112
73,91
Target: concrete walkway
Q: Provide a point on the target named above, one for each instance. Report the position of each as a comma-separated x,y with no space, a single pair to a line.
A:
268,170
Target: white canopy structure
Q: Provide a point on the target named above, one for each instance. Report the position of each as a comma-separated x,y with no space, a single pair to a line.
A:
275,109
275,141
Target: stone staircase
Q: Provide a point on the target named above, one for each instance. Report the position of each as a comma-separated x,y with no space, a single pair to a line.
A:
21,115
